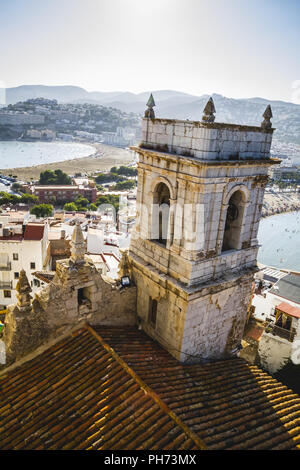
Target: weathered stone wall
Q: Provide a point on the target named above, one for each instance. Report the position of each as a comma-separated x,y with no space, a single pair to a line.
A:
57,308
215,319
199,322
206,141
199,195
24,331
202,283
171,306
274,352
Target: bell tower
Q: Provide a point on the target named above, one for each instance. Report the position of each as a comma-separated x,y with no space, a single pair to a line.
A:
194,247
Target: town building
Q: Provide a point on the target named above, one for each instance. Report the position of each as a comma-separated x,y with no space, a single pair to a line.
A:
275,312
22,246
68,193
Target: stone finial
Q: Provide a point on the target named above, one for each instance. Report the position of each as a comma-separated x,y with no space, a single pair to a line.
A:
266,123
149,113
78,247
23,292
209,110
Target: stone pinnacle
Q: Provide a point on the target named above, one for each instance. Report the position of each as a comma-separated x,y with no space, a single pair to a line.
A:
209,110
149,113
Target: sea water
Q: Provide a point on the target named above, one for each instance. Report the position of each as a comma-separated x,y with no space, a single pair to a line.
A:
14,154
279,237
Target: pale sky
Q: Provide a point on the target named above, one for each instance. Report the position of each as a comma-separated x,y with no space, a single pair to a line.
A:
238,48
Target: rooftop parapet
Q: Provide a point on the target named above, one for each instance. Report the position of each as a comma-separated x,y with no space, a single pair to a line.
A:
208,140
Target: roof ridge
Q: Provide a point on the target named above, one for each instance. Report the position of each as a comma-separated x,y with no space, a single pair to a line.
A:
148,390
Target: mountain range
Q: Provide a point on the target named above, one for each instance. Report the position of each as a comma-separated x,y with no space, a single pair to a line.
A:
175,104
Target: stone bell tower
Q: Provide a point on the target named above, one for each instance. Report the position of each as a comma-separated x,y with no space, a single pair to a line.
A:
194,247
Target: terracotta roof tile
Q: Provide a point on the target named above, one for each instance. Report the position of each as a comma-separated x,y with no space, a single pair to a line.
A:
79,394
34,232
229,404
289,309
122,390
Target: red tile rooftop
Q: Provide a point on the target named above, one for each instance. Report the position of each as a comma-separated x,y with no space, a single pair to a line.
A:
34,232
115,388
289,309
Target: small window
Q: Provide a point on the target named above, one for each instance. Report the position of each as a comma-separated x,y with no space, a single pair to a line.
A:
16,275
36,283
152,311
7,294
32,265
15,256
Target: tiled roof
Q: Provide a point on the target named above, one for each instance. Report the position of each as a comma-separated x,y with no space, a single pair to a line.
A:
81,393
254,331
34,232
229,404
289,309
78,394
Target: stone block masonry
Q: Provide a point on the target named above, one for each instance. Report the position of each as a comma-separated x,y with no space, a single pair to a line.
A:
206,141
194,283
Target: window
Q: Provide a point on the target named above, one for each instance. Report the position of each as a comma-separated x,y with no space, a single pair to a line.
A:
7,294
36,282
16,275
161,213
32,265
15,256
233,224
152,311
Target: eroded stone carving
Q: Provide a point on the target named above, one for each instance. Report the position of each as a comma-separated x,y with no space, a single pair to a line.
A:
23,293
266,123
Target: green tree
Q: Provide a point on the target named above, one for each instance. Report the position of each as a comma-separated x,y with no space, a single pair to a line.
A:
93,207
7,198
16,187
123,185
124,170
81,203
112,199
29,199
70,206
42,210
49,177
107,178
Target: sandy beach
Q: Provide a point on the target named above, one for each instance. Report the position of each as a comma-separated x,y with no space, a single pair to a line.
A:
105,157
277,203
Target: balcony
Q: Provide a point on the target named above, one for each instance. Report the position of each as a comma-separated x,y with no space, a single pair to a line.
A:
5,285
281,332
6,267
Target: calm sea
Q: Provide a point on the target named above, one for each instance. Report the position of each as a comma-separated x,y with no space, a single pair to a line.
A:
279,236
14,154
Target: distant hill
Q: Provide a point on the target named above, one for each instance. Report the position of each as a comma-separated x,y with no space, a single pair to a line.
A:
174,104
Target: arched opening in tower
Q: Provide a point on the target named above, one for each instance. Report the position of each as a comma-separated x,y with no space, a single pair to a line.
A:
233,224
161,213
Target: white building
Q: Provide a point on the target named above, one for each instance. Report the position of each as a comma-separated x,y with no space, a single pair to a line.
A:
279,308
21,247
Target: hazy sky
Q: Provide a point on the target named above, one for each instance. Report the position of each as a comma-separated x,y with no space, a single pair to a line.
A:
238,48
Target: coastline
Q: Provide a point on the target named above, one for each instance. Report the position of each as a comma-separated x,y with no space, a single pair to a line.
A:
104,158
279,203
